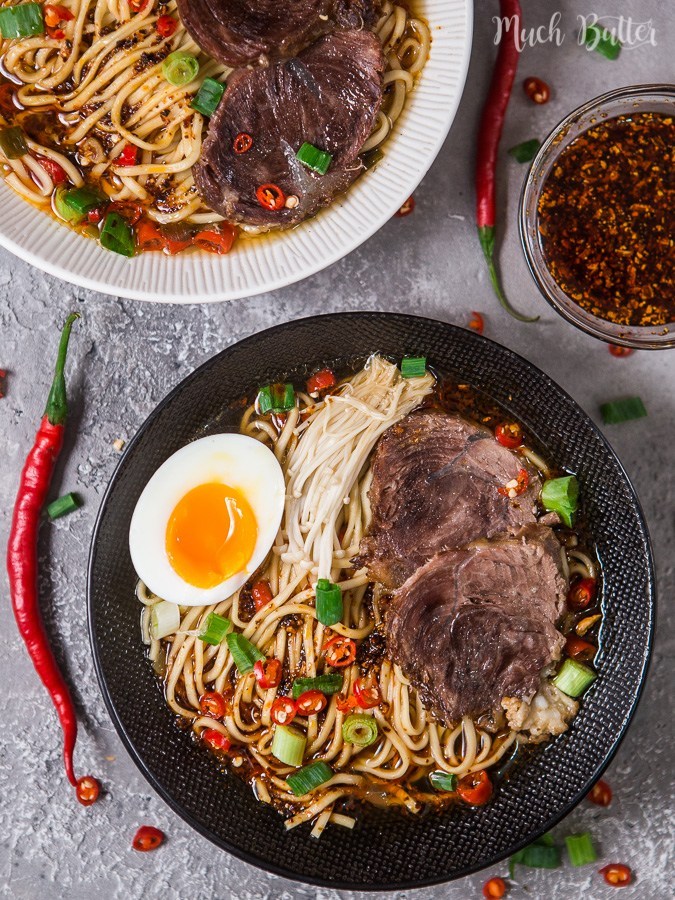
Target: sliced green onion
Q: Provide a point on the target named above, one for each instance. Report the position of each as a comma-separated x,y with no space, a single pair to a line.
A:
602,40
117,235
313,158
12,140
580,848
413,366
208,97
21,21
244,653
539,856
526,151
73,204
64,505
443,781
327,684
573,678
180,68
309,777
288,745
329,606
276,398
561,495
546,840
164,619
359,729
623,410
215,629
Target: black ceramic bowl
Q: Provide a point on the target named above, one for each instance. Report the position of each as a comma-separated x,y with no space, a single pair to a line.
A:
384,850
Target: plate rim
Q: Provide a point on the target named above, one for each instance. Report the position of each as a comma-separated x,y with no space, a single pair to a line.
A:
250,857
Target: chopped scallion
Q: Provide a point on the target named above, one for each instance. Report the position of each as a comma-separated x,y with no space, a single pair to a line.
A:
443,781
561,495
526,151
359,729
117,235
329,606
208,97
276,398
539,856
580,848
13,140
244,653
622,410
327,684
573,678
74,204
24,20
601,39
413,366
215,629
288,745
64,505
309,777
180,68
315,159
164,619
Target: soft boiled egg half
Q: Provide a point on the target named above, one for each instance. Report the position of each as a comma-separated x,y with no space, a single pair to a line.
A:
207,519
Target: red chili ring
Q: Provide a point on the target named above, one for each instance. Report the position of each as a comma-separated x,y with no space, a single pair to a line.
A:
242,143
270,196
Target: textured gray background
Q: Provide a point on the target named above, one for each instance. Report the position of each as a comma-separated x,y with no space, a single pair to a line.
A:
125,356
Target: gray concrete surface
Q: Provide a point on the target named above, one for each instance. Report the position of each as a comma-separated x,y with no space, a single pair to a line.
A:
126,356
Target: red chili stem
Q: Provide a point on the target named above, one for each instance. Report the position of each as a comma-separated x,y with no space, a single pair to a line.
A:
489,136
22,562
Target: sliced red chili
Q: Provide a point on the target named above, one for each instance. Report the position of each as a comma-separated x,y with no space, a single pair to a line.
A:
600,794
494,889
262,594
311,702
166,26
476,323
517,486
582,593
216,241
270,196
537,90
216,740
87,790
242,143
579,649
52,168
131,212
367,692
340,651
267,673
128,156
212,703
617,874
147,838
475,788
284,710
94,216
54,15
407,208
509,434
323,380
346,704
616,350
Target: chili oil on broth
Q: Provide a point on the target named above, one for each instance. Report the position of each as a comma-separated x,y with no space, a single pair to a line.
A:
411,743
82,100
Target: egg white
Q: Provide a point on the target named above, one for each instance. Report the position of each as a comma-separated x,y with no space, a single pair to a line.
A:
232,459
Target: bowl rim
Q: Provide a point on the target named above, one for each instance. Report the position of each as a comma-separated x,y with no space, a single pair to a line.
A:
591,325
301,260
248,856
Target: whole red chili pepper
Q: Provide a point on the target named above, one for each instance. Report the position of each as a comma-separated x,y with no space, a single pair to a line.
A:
489,135
22,550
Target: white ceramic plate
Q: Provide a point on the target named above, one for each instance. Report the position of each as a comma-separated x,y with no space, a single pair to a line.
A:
255,266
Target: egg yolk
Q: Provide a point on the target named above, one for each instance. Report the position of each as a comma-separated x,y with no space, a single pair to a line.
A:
211,535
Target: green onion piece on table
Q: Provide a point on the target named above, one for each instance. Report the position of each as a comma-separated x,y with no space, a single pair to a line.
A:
117,235
359,729
276,398
329,606
288,745
573,678
540,856
309,777
24,20
580,848
327,684
443,781
526,151
164,619
64,505
623,410
561,495
180,68
413,366
315,159
13,141
208,97
244,653
215,629
602,40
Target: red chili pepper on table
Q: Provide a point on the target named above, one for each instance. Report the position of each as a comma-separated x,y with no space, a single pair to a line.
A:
490,132
147,838
22,552
600,794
